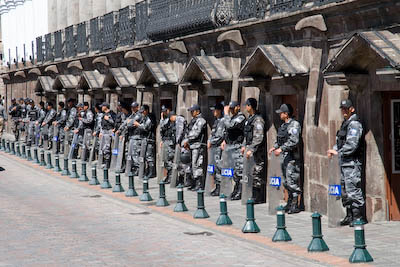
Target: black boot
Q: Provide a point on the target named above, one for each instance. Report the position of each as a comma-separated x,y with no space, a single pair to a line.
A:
294,207
192,183
152,170
349,217
198,185
289,203
356,215
215,192
235,189
188,181
238,194
257,195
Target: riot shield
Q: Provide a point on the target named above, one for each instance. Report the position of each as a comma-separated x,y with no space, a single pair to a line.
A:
121,153
45,136
67,138
74,146
211,170
56,141
161,171
142,157
93,148
86,144
275,184
247,178
114,151
177,161
227,170
100,158
37,134
128,166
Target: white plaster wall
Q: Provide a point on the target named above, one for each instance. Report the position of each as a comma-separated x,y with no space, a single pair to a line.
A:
113,5
62,14
86,10
73,12
99,7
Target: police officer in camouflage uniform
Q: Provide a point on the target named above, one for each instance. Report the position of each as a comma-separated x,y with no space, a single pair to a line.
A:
15,112
32,116
39,129
21,124
84,129
48,120
350,149
288,147
215,141
72,114
234,121
122,114
168,140
59,122
3,119
107,125
195,140
254,133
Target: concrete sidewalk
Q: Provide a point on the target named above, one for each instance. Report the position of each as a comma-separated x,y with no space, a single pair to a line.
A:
382,238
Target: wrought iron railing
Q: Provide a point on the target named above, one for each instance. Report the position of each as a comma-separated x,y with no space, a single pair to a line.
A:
70,48
39,49
48,47
95,35
247,9
126,29
141,20
82,45
110,33
58,45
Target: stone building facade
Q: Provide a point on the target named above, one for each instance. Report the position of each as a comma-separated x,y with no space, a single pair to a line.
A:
308,53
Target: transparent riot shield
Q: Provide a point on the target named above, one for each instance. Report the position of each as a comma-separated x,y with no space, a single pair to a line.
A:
227,170
161,171
56,141
275,184
37,134
128,166
101,156
93,149
247,178
211,170
45,136
87,136
119,166
177,161
67,138
142,157
114,150
74,146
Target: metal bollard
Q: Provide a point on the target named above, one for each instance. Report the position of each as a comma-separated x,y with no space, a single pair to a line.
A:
83,177
65,172
74,172
42,161
1,144
105,184
250,226
223,218
57,167
146,195
49,165
29,155
281,234
317,243
93,179
201,212
360,253
8,150
162,201
23,153
131,191
180,205
12,148
35,156
18,150
118,186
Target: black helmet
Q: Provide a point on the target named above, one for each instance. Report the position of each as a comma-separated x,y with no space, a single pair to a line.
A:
186,156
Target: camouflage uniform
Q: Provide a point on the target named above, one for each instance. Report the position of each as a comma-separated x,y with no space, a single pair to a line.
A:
61,119
168,132
48,120
3,118
216,139
15,112
134,144
106,131
350,151
32,116
39,131
72,115
85,132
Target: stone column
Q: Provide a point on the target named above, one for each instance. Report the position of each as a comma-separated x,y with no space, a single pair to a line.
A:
86,10
73,12
29,27
62,14
52,14
113,5
99,7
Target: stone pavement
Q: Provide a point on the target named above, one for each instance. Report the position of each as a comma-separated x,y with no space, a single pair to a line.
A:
382,238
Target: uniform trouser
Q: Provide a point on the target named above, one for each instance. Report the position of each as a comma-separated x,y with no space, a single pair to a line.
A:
258,170
134,148
105,146
198,162
218,165
150,158
168,157
238,159
31,133
15,128
85,145
350,180
1,126
291,174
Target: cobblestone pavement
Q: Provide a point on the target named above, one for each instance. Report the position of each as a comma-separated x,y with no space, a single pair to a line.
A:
164,228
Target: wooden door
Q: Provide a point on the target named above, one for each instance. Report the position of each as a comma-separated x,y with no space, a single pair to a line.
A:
392,153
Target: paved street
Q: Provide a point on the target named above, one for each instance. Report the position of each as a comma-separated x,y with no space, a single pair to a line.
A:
54,220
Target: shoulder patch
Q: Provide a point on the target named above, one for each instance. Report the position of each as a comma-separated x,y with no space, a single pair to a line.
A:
353,132
259,127
294,131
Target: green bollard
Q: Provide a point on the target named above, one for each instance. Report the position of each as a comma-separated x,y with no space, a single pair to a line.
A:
223,218
42,161
8,150
131,191
23,154
180,205
317,243
57,167
360,253
83,177
250,226
74,172
201,212
18,150
281,234
65,172
49,166
146,195
93,180
162,201
12,148
118,186
35,156
29,155
1,144
105,184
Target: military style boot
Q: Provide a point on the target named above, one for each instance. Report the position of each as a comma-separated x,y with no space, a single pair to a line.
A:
349,217
257,195
294,207
356,215
238,195
198,185
152,170
289,203
215,192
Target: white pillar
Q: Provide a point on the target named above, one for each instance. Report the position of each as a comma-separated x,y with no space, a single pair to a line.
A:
86,10
112,5
12,28
61,14
99,8
72,12
20,33
5,30
29,27
52,15
125,3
